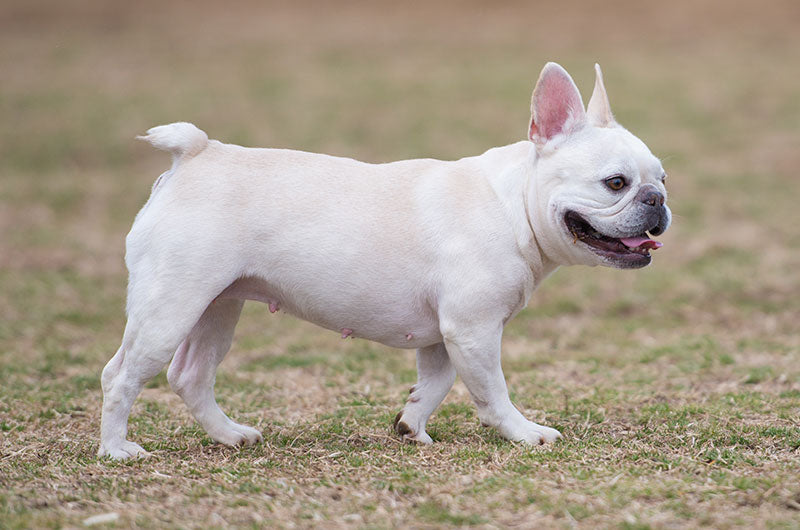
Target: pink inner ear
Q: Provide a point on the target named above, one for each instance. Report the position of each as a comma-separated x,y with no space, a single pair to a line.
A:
553,113
555,99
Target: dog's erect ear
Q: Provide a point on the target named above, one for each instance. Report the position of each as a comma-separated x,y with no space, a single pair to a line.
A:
556,105
599,110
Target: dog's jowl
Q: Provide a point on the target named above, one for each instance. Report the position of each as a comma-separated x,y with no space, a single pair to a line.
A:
425,254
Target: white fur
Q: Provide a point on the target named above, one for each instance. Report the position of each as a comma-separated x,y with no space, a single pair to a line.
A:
181,139
422,254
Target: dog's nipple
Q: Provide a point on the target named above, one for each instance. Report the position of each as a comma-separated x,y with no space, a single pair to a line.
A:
346,332
274,306
409,336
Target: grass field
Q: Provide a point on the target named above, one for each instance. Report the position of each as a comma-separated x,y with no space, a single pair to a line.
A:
677,387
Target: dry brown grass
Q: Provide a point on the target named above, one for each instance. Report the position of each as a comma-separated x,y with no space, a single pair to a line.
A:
677,387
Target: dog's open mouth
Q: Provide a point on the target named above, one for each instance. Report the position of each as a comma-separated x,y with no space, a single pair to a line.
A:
627,252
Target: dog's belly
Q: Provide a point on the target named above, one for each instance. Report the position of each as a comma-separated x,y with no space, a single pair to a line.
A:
394,322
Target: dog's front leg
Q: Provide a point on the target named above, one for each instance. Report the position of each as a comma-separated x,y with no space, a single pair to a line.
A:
475,354
435,377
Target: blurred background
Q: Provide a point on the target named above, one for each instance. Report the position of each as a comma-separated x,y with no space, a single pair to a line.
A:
713,87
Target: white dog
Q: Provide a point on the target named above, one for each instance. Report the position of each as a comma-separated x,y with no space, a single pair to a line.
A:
422,254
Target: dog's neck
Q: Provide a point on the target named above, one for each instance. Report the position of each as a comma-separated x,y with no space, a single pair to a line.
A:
509,170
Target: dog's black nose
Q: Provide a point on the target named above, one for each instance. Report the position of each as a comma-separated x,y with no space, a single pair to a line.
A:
651,197
663,220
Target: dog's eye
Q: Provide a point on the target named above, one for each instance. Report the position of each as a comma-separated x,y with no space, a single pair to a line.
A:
615,183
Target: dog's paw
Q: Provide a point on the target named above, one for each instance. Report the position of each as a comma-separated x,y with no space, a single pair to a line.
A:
125,451
530,433
419,438
234,434
408,434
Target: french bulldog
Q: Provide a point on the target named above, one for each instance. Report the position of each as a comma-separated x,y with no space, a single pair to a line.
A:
426,254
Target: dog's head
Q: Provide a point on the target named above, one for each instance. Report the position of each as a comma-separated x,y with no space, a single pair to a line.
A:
597,192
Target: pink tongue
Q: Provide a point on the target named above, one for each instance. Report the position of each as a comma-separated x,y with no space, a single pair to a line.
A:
633,242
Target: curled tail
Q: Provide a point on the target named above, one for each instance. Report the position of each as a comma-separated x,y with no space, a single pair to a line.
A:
183,140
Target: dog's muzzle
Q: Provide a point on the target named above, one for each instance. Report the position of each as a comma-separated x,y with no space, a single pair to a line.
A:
655,212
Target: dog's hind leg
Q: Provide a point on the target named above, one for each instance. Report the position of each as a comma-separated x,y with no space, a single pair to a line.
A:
148,344
435,378
162,310
193,370
118,397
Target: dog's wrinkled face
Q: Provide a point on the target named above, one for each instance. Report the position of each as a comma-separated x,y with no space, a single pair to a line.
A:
599,191
605,198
